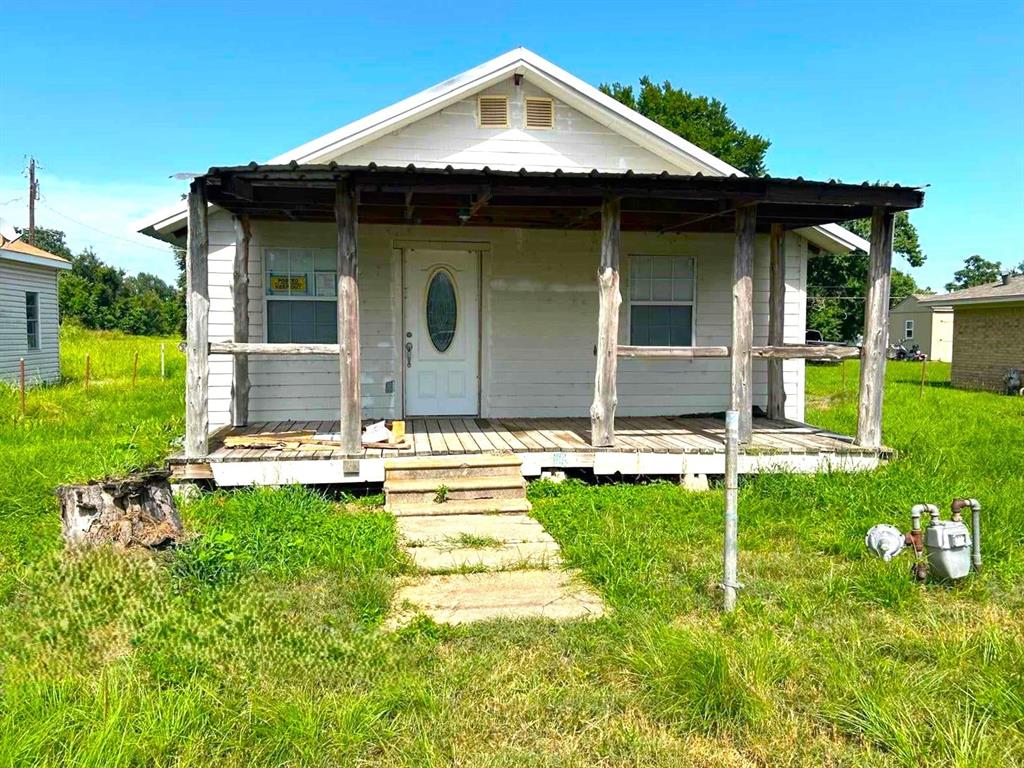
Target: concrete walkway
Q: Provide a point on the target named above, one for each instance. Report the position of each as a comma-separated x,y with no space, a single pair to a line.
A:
487,566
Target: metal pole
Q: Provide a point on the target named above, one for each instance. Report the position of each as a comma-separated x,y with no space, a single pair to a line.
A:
732,438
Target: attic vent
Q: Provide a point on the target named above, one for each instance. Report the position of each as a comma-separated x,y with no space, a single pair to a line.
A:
540,113
494,112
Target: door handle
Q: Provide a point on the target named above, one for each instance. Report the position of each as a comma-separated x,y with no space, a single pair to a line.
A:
408,354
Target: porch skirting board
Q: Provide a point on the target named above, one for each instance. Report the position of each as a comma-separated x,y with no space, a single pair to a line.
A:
645,446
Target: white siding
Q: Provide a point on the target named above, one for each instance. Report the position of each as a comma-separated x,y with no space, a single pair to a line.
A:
41,364
538,326
452,136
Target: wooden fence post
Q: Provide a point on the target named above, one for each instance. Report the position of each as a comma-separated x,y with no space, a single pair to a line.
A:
162,358
135,369
87,370
21,383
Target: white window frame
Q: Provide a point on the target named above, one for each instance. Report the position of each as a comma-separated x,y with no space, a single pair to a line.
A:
31,337
630,302
908,329
268,297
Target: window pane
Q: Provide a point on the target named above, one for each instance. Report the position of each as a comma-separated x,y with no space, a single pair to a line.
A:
661,266
325,260
639,266
662,289
279,322
682,290
302,322
682,266
326,284
442,310
639,288
661,325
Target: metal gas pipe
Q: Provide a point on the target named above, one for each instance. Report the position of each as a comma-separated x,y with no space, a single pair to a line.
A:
956,507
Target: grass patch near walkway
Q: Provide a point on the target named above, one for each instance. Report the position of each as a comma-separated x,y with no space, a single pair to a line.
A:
259,642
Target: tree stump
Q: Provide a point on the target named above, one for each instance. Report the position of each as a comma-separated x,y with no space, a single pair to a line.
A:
134,511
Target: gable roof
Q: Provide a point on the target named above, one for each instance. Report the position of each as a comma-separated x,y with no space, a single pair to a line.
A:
913,301
989,293
18,250
573,91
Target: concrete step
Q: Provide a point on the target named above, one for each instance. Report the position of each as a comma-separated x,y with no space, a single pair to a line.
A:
461,598
403,508
437,559
509,528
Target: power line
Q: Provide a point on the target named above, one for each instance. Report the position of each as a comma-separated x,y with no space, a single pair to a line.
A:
103,232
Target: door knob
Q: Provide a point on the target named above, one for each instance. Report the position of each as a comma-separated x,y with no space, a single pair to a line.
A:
408,354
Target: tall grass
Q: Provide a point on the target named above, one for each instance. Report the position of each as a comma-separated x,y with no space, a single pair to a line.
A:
260,641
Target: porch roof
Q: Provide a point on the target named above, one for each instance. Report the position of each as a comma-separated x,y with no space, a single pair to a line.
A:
544,199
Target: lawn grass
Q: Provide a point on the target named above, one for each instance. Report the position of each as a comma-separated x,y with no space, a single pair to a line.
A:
259,642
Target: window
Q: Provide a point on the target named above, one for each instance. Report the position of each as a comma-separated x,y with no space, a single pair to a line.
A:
493,111
442,310
301,305
908,329
661,290
32,319
540,113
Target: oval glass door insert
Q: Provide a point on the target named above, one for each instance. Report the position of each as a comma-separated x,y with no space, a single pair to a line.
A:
442,310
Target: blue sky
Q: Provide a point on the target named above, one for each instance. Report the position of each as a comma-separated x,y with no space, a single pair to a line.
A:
113,98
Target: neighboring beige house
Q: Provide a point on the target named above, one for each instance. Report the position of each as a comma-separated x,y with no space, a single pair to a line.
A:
988,332
28,311
929,327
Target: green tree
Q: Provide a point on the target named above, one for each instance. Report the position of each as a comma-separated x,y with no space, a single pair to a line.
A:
50,240
698,119
977,271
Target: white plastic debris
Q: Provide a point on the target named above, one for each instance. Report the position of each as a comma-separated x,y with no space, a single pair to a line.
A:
376,433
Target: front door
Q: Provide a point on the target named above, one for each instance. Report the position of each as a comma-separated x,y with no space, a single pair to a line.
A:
442,332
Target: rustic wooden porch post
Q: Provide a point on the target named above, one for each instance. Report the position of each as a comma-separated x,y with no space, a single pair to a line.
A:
240,297
197,348
350,426
876,331
743,319
602,412
776,322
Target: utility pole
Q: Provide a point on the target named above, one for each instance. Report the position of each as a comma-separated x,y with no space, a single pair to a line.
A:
33,195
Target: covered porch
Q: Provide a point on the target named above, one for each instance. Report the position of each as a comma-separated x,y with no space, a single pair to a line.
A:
644,446
608,203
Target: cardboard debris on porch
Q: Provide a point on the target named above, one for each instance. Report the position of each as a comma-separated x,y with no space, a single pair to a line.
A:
376,435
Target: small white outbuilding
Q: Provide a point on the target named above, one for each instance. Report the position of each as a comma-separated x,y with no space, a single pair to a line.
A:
28,311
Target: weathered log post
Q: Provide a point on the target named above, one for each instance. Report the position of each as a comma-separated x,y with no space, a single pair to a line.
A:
776,322
602,412
133,511
350,422
240,298
876,331
741,397
197,364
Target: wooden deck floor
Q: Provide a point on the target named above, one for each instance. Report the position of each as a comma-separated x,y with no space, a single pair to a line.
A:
644,445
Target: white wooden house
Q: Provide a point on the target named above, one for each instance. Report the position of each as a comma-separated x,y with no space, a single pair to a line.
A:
28,312
540,269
